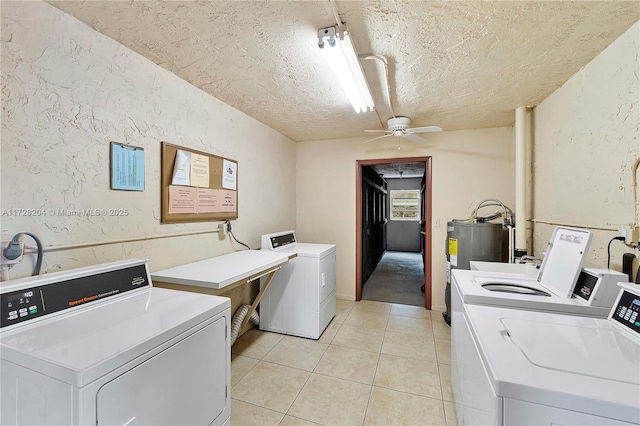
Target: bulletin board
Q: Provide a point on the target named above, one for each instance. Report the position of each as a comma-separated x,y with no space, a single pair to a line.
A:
215,202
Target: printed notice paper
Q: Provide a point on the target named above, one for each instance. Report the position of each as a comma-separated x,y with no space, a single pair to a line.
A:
199,170
127,167
207,200
181,168
201,200
229,174
182,199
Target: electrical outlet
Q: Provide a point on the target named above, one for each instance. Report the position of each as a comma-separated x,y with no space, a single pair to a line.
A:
5,261
629,233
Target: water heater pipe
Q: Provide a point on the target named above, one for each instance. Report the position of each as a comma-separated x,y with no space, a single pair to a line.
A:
521,180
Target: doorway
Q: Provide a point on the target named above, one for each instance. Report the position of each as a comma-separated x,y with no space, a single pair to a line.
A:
372,223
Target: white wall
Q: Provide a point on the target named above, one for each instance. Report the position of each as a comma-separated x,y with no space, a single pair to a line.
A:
468,166
67,91
585,146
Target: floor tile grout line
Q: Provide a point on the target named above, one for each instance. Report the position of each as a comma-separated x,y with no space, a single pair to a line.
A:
245,374
259,406
342,378
407,393
298,395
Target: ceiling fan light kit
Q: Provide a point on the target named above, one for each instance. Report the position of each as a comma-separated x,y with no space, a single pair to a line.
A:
337,49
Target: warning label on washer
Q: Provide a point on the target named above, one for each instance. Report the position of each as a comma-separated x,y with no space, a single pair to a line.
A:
453,251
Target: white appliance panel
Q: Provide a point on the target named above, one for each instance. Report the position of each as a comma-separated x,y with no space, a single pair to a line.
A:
182,375
129,351
481,405
327,275
564,260
564,349
598,287
516,376
301,299
286,305
311,250
84,345
521,413
470,286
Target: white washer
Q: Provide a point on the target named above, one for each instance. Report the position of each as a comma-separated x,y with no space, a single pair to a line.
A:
555,288
524,367
100,345
301,299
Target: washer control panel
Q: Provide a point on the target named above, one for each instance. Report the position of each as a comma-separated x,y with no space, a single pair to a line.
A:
627,310
278,240
28,303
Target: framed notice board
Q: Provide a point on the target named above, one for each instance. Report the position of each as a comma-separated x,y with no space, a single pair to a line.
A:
196,186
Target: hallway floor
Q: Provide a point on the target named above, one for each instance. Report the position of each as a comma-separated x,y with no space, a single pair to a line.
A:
376,363
397,279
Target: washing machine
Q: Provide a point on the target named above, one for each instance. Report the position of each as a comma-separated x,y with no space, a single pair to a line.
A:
301,299
101,345
523,367
562,285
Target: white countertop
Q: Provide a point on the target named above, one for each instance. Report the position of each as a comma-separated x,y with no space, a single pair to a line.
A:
221,271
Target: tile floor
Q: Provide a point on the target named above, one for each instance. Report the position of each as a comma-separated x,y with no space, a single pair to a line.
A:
376,364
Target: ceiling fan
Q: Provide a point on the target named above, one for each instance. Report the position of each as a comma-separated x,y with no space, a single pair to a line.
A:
399,126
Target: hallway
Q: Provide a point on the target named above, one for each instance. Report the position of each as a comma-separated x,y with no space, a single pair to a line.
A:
397,279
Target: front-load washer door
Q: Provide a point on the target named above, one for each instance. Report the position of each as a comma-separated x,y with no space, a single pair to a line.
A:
182,385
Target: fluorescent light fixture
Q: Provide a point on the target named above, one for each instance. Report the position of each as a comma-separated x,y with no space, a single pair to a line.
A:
336,46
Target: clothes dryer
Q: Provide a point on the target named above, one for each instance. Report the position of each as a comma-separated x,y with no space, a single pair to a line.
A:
301,299
100,345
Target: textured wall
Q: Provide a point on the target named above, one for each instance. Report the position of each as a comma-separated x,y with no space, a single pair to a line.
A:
585,146
402,235
67,91
468,166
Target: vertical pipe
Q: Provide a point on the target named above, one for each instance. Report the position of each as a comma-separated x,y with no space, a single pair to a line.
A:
520,182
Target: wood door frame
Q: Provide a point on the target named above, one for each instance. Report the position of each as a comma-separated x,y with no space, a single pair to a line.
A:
427,220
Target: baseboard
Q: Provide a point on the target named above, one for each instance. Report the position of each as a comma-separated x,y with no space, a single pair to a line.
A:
348,297
438,308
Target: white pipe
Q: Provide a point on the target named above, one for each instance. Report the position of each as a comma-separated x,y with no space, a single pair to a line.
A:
521,180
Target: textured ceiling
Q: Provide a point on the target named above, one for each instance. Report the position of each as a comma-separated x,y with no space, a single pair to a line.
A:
458,65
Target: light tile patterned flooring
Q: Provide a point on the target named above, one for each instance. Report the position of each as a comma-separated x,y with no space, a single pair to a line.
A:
376,364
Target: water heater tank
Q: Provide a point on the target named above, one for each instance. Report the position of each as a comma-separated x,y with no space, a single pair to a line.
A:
468,241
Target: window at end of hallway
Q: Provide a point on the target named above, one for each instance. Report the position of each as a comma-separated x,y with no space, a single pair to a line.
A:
405,204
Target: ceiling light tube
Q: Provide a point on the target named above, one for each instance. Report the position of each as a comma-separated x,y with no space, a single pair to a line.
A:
339,53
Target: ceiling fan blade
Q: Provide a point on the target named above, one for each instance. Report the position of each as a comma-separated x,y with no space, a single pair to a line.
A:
379,137
427,129
414,138
377,131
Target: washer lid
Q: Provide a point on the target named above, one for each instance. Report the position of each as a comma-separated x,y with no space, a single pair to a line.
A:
84,345
605,353
563,262
555,383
